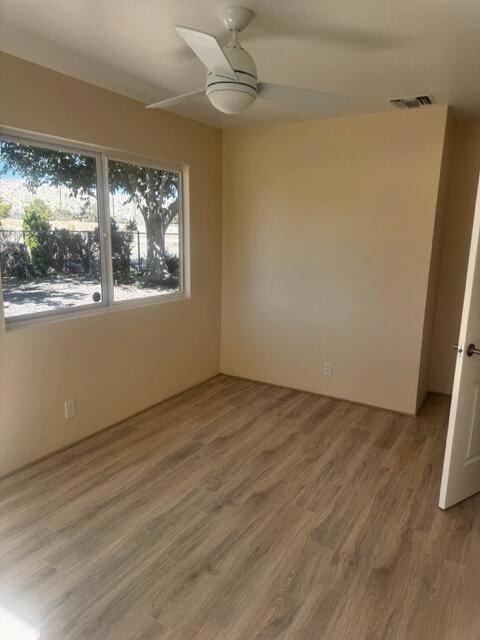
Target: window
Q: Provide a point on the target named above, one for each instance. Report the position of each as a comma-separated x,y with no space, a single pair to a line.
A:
144,215
80,229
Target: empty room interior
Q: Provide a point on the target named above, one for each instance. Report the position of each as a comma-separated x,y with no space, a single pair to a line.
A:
239,320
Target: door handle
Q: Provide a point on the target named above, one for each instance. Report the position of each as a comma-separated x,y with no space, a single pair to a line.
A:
472,350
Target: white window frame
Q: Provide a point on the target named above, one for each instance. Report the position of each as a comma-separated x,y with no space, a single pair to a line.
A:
102,155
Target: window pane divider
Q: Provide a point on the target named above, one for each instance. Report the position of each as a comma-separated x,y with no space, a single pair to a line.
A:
104,229
102,157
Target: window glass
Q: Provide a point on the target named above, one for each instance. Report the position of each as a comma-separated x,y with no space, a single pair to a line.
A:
79,229
145,230
49,231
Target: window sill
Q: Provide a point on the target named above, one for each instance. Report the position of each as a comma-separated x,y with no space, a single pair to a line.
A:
12,324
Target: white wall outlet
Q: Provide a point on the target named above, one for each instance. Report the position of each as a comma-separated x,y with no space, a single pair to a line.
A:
69,406
327,368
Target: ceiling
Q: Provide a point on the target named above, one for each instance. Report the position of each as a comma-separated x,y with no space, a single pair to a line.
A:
370,51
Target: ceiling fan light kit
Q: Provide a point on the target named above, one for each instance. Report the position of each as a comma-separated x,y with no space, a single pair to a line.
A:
230,101
232,85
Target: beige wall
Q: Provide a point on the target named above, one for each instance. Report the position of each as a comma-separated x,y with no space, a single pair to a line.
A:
120,362
456,241
327,237
435,262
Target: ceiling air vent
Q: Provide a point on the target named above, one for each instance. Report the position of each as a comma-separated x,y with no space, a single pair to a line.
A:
412,102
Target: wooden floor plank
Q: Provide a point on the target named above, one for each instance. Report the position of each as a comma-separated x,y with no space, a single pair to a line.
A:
238,511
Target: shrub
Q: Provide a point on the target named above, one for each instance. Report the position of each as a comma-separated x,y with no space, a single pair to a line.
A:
57,250
14,260
173,264
121,247
70,252
38,236
64,251
4,210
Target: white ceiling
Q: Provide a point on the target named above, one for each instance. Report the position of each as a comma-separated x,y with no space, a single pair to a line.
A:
368,50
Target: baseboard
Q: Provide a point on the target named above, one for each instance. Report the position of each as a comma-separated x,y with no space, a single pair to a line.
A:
323,395
102,429
221,373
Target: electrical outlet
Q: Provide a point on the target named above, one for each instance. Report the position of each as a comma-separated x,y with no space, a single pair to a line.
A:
69,406
327,368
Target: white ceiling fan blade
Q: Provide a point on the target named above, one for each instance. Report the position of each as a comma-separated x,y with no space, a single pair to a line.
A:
208,50
302,99
169,102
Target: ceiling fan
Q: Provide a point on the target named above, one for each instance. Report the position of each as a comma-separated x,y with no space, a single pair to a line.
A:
232,85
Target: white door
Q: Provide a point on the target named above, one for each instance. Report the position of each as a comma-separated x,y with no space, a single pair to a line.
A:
461,467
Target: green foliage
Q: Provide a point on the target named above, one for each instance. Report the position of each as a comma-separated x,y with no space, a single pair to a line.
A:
38,236
150,189
173,265
153,191
47,166
71,253
56,250
121,243
39,210
88,212
4,210
14,260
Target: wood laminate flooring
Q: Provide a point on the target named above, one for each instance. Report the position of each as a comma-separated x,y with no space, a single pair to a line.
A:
241,511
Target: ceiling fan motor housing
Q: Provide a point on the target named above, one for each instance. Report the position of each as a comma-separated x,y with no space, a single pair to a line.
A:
246,85
232,85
